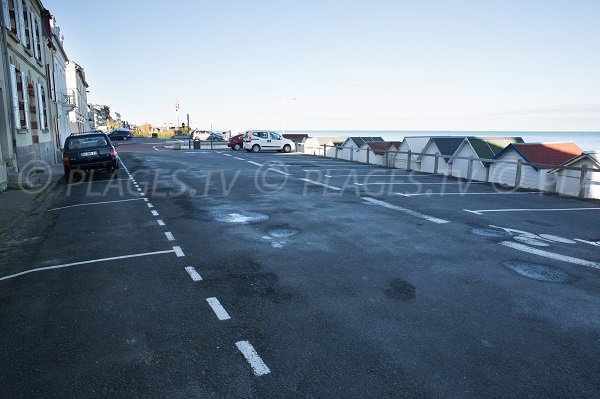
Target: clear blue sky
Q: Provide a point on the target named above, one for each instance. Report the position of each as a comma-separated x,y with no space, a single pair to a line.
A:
405,65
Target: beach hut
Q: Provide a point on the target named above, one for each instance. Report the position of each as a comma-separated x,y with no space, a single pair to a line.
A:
568,182
415,146
477,148
314,145
374,152
444,147
351,148
297,138
543,157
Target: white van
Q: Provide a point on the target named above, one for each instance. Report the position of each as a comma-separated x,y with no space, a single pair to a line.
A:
265,140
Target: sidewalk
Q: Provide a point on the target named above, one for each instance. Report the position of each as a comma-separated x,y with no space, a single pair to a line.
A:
16,204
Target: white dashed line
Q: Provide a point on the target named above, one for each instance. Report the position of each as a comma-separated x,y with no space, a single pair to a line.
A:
481,211
160,222
279,171
255,163
150,205
169,236
93,203
405,210
442,194
227,155
154,213
321,184
258,366
218,309
178,252
193,273
550,255
238,158
139,189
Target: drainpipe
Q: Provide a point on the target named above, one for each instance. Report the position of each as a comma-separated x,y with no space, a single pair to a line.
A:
6,70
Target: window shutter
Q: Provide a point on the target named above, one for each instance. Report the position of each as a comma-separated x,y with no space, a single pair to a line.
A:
30,26
21,22
15,95
5,13
26,99
36,48
41,107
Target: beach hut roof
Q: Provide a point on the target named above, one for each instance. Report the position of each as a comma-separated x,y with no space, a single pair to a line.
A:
380,147
593,156
296,137
544,154
360,141
487,147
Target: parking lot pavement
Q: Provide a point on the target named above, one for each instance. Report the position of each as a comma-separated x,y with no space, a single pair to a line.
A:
295,284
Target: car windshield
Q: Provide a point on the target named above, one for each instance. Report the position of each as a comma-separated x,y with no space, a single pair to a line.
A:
78,143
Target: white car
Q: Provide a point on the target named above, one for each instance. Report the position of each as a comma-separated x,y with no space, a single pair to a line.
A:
264,140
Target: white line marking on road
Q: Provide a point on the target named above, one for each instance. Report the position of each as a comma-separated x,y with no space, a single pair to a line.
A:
321,184
255,163
146,199
241,159
418,183
594,243
150,205
169,236
94,181
193,273
427,194
480,211
160,222
279,171
178,252
218,309
328,176
228,155
142,194
550,255
258,366
93,203
139,189
40,269
405,210
382,175
154,213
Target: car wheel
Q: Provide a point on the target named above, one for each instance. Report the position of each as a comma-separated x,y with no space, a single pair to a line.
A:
287,148
237,147
255,148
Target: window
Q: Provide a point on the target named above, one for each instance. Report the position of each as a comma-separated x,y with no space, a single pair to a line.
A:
264,135
32,109
41,93
11,19
19,98
36,38
275,136
27,25
14,74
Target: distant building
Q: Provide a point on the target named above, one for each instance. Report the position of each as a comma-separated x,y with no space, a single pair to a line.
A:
77,85
568,182
478,148
444,147
99,115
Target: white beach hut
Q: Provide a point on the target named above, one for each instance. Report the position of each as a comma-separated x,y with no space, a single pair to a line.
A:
351,148
415,146
544,158
444,147
314,145
477,148
568,182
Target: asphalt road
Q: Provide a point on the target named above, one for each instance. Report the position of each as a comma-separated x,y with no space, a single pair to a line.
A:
311,278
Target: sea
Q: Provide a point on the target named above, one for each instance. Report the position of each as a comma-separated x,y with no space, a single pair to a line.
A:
588,141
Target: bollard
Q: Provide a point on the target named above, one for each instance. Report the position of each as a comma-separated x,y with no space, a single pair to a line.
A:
518,173
368,155
582,182
436,163
408,160
351,154
386,159
470,168
325,150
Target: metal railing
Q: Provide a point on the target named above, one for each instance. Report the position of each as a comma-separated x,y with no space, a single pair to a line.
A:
412,160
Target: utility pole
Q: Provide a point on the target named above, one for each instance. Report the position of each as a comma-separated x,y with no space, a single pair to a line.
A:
189,132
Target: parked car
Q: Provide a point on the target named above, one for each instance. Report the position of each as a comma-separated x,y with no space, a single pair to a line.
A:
88,152
207,136
236,143
120,134
263,140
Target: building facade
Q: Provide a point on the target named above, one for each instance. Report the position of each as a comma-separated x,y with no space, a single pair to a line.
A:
77,85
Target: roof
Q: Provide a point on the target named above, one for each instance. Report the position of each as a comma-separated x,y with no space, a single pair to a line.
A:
544,154
593,156
487,147
327,139
380,147
296,138
447,146
415,143
360,141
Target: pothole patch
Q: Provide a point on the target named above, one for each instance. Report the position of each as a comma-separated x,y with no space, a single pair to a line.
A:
240,217
538,272
401,290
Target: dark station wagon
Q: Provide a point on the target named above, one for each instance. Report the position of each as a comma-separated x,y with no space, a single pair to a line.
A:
89,152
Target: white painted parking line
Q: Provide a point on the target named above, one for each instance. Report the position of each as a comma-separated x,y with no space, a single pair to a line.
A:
154,213
139,189
146,199
279,171
228,155
550,255
321,184
40,269
405,210
93,203
218,309
160,222
150,205
169,236
142,194
258,366
418,183
594,243
255,163
241,159
442,194
392,175
482,211
178,252
193,273
94,181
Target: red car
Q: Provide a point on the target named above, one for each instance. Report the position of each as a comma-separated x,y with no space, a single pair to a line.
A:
236,142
